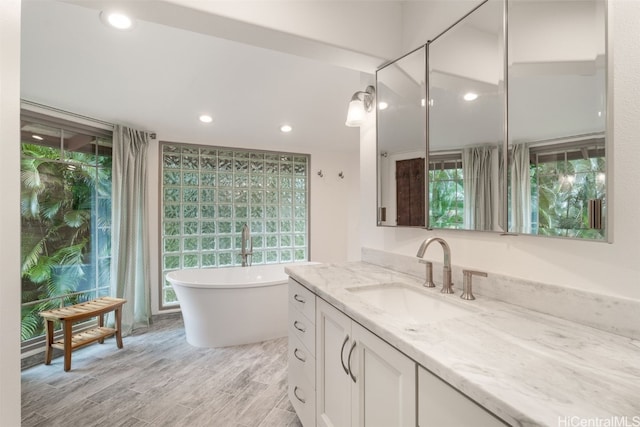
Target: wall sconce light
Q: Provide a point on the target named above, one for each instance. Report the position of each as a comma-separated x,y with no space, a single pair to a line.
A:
361,103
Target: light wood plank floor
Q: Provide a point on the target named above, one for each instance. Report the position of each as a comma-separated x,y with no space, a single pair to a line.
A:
158,379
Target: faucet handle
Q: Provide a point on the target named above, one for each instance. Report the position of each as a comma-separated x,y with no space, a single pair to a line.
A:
428,283
474,273
467,282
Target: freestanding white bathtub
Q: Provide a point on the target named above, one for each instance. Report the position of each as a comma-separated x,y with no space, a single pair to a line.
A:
232,306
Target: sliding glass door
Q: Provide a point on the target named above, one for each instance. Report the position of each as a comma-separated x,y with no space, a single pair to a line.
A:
66,217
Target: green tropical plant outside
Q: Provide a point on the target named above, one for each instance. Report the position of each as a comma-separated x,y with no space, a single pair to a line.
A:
446,198
66,215
561,192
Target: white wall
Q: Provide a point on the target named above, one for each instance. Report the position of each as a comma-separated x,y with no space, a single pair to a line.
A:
611,269
333,215
10,213
334,208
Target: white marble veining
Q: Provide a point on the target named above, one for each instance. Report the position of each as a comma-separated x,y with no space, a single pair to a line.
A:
528,368
609,313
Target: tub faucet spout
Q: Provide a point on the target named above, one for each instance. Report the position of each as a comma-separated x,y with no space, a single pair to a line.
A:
447,286
247,246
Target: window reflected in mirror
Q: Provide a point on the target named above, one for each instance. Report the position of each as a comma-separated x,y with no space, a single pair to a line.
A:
446,191
565,189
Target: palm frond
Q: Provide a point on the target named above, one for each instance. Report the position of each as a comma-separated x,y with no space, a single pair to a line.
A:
50,210
30,325
41,271
31,258
77,218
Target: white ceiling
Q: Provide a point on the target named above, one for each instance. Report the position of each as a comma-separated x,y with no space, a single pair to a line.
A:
161,78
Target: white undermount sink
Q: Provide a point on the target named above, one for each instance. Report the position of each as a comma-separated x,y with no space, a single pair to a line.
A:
408,303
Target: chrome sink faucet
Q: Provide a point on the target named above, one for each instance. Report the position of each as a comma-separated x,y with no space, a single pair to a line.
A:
447,285
246,243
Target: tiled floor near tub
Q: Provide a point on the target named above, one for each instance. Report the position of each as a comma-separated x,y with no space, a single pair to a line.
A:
158,379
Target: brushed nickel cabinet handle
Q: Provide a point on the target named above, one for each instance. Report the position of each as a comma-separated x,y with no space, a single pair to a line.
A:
301,329
346,339
295,353
295,393
353,377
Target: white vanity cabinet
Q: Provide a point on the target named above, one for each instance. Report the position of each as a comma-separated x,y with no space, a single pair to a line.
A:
302,361
439,404
341,375
361,380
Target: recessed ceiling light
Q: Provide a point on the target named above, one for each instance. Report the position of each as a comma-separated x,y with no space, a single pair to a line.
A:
286,128
37,137
117,20
382,105
470,96
205,118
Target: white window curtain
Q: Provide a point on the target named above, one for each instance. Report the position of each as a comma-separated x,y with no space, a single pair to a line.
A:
130,240
479,193
520,189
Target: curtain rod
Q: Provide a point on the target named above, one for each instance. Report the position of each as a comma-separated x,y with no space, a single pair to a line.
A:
564,139
23,102
67,113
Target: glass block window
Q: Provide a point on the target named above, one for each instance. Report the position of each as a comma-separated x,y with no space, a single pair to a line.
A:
209,193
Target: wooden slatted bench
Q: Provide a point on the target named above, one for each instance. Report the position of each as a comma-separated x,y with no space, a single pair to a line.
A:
78,312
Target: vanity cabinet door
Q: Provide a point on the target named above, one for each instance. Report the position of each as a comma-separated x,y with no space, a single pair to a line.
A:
439,404
385,383
361,380
333,383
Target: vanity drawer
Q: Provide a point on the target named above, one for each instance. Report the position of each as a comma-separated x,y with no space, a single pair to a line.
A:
302,299
302,328
302,397
302,361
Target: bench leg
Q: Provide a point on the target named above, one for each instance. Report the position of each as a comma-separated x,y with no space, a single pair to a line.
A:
100,325
48,349
67,326
119,326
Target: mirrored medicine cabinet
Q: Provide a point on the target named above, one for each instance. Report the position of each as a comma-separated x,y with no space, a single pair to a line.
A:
499,124
402,118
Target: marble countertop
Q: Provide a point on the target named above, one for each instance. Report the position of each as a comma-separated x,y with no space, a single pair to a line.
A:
528,368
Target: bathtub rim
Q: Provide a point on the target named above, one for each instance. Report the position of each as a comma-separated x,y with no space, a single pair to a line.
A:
250,283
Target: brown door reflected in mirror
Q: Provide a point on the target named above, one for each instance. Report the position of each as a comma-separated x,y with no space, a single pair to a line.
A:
410,192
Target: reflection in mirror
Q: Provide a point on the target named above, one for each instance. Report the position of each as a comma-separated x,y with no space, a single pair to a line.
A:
401,121
557,118
466,134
